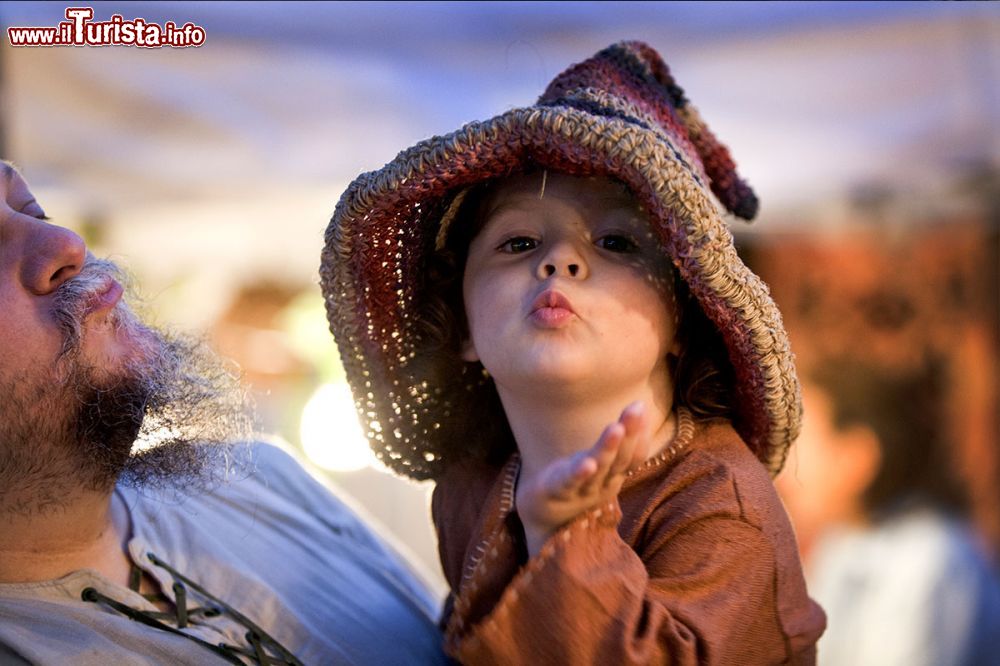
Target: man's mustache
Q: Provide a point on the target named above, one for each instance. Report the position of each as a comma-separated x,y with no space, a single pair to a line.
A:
72,298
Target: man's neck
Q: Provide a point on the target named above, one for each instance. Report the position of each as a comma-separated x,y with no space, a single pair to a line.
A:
560,425
88,531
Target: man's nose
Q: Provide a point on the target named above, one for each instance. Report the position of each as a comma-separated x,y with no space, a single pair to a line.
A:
52,256
562,259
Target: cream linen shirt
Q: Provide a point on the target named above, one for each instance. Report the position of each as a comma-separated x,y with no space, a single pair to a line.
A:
277,546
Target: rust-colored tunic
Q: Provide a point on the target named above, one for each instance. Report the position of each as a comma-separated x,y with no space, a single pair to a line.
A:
695,563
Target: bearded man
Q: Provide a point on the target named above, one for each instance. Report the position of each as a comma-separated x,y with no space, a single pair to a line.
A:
133,530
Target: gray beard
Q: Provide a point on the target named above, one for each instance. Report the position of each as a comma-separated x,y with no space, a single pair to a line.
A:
170,418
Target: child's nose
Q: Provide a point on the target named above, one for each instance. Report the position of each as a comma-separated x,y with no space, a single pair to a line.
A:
53,255
571,270
562,260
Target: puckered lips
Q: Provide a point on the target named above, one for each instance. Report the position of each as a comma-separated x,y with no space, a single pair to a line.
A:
551,310
104,298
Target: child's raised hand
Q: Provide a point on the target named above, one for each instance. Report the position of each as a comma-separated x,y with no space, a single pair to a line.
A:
573,484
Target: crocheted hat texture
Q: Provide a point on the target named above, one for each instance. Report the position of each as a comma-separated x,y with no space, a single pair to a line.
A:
619,114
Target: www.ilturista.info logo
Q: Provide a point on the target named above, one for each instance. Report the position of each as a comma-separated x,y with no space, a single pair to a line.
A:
80,30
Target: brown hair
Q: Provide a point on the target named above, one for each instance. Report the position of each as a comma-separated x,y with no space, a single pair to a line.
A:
904,408
703,375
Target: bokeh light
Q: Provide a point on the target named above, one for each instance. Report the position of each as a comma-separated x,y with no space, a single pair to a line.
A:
331,435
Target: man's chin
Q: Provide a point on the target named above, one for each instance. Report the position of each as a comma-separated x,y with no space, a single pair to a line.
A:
112,350
168,419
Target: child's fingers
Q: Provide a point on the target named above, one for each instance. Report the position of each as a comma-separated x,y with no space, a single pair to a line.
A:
633,422
564,477
616,473
633,418
605,452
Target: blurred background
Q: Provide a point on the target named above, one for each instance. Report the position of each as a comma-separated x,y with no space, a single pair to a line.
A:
870,131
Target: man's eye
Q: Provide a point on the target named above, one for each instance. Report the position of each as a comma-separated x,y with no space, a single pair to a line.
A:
518,244
617,243
33,209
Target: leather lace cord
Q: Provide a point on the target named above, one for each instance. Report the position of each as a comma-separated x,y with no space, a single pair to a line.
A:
261,647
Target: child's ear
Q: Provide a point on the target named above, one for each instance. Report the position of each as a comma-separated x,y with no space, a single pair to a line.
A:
468,351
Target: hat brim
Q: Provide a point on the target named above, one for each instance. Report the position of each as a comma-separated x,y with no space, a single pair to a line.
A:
384,228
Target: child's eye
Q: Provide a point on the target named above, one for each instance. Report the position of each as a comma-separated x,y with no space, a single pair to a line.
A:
518,244
617,243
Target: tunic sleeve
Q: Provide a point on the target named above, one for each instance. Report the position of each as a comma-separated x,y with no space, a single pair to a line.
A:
706,595
457,508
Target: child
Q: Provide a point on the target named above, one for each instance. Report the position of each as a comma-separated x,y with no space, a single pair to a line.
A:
544,312
888,545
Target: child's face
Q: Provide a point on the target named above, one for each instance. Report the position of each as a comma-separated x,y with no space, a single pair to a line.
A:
568,288
828,471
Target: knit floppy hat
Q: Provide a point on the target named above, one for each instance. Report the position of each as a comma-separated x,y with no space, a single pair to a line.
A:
619,114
